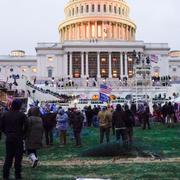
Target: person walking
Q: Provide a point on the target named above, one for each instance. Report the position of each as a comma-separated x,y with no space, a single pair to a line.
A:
105,123
34,135
62,125
119,123
14,125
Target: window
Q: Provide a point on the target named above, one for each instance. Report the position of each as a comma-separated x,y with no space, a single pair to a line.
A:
92,7
87,8
82,9
50,59
49,73
99,8
174,69
119,10
0,69
73,11
104,7
110,8
77,9
115,9
11,70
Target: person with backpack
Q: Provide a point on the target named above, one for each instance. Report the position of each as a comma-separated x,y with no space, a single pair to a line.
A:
34,135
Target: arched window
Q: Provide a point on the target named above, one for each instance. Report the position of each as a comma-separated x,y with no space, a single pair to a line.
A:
82,8
77,9
99,8
105,8
119,10
87,8
110,8
92,8
50,72
115,9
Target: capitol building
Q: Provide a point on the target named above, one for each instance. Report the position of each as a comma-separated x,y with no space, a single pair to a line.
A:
97,40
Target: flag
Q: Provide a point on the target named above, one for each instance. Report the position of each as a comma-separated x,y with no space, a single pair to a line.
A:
154,58
104,89
104,93
104,97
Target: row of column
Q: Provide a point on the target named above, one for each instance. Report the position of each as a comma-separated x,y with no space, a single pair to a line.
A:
88,30
123,67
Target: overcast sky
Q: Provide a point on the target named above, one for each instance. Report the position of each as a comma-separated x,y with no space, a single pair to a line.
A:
23,23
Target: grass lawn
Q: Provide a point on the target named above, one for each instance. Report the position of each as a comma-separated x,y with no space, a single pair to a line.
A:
165,141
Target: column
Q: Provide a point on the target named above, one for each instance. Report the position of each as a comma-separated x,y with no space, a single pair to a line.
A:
89,31
82,64
87,65
83,31
70,65
96,30
126,64
110,65
98,65
127,33
121,65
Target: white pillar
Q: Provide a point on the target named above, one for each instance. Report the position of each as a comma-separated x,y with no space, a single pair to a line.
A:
110,65
121,64
82,64
87,65
70,65
98,65
126,65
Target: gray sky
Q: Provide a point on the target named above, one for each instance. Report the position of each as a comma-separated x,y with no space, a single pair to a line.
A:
23,23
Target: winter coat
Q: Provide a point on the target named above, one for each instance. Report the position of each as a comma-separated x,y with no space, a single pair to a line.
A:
35,133
105,119
118,119
76,121
14,125
129,119
62,121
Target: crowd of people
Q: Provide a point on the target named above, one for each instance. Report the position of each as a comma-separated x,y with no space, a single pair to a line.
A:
24,133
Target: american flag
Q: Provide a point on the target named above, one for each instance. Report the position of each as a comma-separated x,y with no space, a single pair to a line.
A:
104,89
154,58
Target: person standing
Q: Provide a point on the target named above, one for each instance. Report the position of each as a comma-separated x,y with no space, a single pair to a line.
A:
34,135
76,122
14,125
119,123
129,122
170,114
105,123
62,125
145,116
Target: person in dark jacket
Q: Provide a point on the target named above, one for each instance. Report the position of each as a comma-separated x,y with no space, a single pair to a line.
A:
129,121
89,115
76,122
170,114
14,125
119,123
34,135
145,116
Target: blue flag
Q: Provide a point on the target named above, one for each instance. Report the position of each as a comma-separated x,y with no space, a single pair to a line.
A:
103,97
